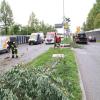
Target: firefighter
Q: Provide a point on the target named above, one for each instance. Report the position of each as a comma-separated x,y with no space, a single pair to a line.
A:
13,47
14,50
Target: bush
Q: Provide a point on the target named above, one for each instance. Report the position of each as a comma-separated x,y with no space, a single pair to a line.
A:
31,84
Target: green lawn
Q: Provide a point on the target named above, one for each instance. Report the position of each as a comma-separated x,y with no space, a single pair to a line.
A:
68,40
98,41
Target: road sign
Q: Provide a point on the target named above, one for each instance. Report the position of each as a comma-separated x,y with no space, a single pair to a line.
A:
58,25
65,25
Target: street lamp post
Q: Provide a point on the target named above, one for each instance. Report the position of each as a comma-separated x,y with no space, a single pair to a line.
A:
63,18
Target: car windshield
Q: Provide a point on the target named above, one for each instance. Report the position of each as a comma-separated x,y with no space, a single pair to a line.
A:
81,35
50,36
33,37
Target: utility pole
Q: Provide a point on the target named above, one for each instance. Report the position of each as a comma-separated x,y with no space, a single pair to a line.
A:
63,18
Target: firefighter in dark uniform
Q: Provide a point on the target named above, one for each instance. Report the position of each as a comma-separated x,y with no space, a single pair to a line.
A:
13,47
14,50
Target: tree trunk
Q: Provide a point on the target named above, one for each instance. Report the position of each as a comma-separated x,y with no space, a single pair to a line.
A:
6,30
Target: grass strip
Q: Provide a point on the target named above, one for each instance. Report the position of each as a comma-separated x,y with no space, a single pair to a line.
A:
68,40
66,70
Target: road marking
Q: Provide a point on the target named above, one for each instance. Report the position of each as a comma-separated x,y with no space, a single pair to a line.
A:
80,78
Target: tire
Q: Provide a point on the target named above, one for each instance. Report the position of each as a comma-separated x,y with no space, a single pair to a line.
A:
86,42
94,40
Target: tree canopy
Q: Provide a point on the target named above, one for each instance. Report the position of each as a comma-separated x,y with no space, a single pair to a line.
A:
9,27
38,26
6,16
92,21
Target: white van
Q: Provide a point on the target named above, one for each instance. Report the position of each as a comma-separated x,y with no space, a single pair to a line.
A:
42,36
36,38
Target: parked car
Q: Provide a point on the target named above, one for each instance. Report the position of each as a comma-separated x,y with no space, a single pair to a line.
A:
81,38
41,36
92,39
35,38
50,37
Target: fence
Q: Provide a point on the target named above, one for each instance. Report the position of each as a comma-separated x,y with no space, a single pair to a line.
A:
95,33
20,39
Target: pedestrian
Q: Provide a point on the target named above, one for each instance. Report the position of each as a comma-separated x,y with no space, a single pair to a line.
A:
57,41
13,47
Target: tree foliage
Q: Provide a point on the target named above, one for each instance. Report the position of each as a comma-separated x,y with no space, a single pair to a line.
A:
84,26
33,22
16,29
6,16
46,27
97,21
39,26
97,1
91,22
9,27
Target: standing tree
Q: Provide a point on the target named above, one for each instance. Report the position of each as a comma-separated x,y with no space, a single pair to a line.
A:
46,27
91,17
98,1
84,28
6,16
42,27
33,22
24,30
17,29
97,21
35,26
91,22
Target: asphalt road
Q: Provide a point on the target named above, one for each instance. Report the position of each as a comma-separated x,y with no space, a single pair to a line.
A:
26,54
89,66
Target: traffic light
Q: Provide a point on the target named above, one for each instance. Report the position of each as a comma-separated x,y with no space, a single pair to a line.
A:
66,26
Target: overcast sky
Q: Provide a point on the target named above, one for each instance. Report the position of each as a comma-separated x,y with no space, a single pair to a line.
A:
51,11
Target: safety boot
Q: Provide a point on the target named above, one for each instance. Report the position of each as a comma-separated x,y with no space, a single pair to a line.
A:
16,56
12,56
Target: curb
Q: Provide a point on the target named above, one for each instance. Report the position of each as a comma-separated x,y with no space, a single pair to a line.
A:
80,78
